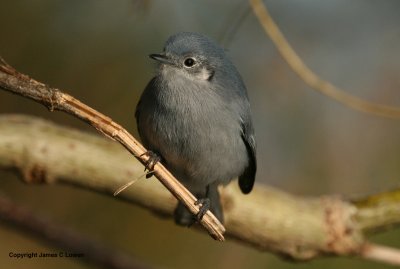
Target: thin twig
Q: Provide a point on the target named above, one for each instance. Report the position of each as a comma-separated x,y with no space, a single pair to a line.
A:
128,184
234,21
308,76
63,237
381,254
15,82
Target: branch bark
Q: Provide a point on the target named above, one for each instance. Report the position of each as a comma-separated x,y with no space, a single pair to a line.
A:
299,228
15,82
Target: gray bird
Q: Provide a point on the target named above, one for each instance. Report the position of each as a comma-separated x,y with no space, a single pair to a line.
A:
194,116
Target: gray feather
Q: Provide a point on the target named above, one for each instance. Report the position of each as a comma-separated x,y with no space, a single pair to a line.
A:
198,118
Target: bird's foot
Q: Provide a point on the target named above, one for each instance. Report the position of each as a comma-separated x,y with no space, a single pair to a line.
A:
154,158
205,205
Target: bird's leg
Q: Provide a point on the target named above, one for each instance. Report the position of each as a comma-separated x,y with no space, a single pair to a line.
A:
215,206
205,205
184,217
154,158
209,200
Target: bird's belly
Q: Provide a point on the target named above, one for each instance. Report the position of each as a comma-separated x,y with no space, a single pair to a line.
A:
200,152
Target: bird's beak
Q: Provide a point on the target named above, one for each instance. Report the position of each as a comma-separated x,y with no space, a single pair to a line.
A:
161,58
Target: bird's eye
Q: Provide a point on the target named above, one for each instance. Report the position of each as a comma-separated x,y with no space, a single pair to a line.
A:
189,62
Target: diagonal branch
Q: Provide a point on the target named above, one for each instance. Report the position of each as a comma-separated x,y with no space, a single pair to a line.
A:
308,76
15,82
300,228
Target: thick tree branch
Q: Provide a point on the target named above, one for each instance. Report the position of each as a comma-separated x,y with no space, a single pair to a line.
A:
15,82
296,227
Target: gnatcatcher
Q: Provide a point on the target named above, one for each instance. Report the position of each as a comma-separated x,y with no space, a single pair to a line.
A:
194,116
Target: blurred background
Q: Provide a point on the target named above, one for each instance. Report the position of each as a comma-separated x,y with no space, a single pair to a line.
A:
308,144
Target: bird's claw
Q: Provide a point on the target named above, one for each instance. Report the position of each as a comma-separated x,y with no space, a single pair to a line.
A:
154,158
205,205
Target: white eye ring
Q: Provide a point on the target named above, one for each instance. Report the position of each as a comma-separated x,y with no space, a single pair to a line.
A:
189,62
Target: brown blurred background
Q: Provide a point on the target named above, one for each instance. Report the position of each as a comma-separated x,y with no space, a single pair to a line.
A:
307,143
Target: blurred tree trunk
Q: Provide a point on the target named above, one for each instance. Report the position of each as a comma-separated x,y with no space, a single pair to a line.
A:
297,227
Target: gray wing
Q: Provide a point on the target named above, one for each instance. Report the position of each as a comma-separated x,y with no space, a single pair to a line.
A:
147,90
137,114
246,180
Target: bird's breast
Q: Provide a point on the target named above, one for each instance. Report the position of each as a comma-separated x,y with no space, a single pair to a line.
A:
200,138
